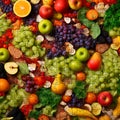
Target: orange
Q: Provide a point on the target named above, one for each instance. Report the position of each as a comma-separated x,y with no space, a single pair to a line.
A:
92,14
43,117
33,99
81,76
104,117
22,8
97,1
66,98
4,85
90,97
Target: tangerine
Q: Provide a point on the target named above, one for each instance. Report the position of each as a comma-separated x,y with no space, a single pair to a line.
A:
81,76
92,14
33,99
104,117
90,98
4,85
43,117
22,8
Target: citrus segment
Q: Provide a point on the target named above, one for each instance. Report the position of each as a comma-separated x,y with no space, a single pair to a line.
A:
96,108
22,8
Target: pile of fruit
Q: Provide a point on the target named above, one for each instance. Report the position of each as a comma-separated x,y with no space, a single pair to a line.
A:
59,59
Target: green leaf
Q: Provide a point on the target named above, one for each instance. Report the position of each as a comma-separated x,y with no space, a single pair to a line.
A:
79,90
23,68
47,97
82,17
95,30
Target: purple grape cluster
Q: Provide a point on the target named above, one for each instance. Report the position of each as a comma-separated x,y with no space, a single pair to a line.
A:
75,102
29,83
6,8
69,33
31,17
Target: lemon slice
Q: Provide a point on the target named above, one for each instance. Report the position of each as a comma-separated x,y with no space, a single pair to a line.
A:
34,1
114,46
96,108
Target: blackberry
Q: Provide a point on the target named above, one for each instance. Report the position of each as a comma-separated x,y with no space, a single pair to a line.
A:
2,71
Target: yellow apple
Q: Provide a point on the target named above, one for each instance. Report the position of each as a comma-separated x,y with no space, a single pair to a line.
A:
47,2
75,4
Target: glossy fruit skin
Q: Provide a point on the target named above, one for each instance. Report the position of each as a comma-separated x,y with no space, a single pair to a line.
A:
46,11
33,99
61,5
45,26
75,4
95,61
97,1
82,54
76,65
110,1
104,98
92,14
4,54
39,80
66,98
90,98
43,117
80,76
47,2
4,85
25,109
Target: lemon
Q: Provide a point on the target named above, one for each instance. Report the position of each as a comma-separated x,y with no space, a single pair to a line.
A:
96,108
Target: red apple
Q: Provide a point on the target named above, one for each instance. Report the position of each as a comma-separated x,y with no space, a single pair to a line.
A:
110,1
105,98
118,51
46,11
61,5
95,61
75,4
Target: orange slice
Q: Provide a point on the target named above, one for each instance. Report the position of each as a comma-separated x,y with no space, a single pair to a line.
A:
22,8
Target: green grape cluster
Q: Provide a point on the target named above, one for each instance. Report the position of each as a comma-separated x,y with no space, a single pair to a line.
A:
25,40
108,76
114,32
60,65
4,24
13,99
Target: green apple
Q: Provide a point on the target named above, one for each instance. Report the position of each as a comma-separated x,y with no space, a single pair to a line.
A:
4,54
45,26
82,54
75,4
76,65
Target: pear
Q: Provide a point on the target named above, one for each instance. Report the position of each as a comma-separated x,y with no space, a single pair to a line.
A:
95,61
58,86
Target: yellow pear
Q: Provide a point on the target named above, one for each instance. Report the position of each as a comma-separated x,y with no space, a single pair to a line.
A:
58,86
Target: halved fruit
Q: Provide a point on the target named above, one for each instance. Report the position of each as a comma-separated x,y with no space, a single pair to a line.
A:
11,67
96,108
22,8
114,46
34,1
